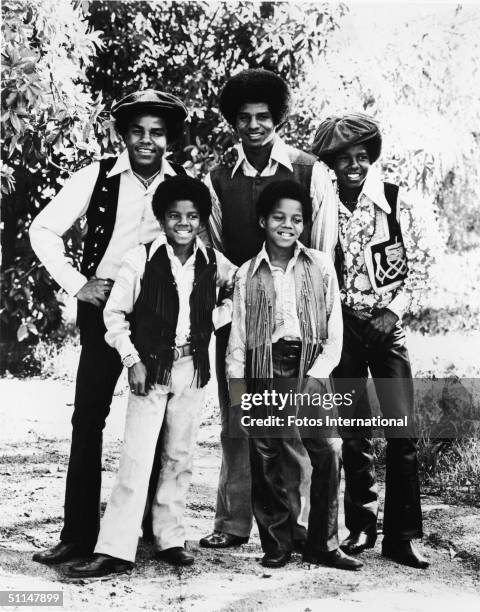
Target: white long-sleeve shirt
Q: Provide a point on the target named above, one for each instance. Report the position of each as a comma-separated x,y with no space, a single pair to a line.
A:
126,290
135,222
286,319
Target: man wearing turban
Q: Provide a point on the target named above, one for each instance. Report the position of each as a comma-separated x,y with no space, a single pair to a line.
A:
382,272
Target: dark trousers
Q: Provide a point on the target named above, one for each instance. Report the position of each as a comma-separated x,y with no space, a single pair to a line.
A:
272,466
386,359
98,371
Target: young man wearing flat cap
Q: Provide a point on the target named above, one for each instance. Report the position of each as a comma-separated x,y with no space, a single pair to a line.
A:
115,194
256,102
384,254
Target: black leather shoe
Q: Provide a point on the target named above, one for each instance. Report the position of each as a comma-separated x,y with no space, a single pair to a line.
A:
403,551
218,539
99,565
61,552
358,542
175,556
334,558
276,559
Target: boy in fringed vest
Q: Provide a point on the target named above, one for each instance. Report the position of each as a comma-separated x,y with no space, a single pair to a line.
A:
170,286
287,323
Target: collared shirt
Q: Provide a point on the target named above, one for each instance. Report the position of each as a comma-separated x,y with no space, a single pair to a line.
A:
286,319
356,230
287,324
126,290
324,201
135,222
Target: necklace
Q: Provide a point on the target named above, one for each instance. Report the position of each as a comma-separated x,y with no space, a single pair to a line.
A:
146,182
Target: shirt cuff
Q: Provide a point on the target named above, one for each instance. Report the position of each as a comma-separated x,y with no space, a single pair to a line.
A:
222,315
73,282
399,305
125,347
321,369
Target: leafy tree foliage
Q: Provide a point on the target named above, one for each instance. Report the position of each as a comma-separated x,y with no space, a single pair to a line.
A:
191,48
62,71
66,60
47,119
420,76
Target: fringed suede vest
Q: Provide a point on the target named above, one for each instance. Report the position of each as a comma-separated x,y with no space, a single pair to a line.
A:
260,317
156,316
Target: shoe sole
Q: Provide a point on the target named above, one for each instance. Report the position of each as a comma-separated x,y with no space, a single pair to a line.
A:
313,561
93,578
208,545
67,560
339,567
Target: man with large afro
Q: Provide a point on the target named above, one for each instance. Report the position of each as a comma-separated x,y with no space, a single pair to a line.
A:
256,103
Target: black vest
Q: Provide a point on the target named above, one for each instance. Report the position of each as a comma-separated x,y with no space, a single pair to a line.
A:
379,250
156,316
238,195
100,216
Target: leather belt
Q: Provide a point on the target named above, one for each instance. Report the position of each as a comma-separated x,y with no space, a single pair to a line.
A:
182,351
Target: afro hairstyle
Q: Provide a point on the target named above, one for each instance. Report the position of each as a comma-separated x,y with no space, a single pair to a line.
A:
255,85
278,190
182,187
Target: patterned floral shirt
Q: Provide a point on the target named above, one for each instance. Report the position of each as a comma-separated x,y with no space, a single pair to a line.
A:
356,230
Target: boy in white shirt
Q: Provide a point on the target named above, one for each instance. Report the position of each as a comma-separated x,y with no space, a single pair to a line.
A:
170,288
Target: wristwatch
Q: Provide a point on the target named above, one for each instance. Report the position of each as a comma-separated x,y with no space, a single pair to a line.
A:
130,360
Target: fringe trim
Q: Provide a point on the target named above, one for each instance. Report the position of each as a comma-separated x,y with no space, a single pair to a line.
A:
311,310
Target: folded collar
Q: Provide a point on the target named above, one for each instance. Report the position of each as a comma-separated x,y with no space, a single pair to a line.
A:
373,189
162,239
123,164
300,250
278,154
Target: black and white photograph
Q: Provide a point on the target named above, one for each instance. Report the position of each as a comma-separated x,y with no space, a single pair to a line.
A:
240,305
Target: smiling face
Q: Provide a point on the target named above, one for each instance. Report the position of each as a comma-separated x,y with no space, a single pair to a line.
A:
284,224
351,166
181,223
254,125
146,141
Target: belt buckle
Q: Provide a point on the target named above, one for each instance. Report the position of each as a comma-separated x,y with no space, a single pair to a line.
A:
176,354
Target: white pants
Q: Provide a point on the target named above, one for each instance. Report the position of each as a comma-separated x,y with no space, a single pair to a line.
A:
179,404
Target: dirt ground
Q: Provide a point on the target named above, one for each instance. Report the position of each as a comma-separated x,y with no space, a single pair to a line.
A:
34,443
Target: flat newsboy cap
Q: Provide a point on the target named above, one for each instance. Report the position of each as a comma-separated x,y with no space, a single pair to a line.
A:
255,85
166,105
337,133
